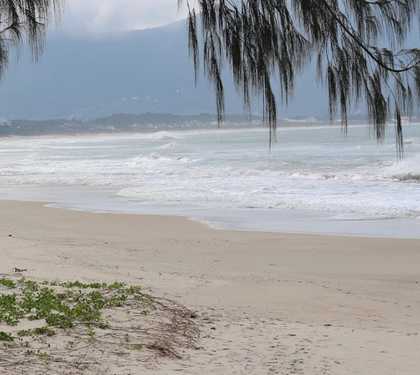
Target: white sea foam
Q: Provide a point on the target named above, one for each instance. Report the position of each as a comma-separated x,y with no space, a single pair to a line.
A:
405,170
315,168
161,135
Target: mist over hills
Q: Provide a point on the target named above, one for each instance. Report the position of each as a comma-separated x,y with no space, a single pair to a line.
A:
123,123
131,72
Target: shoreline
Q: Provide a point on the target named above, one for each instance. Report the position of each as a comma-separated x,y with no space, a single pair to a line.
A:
290,303
278,221
359,227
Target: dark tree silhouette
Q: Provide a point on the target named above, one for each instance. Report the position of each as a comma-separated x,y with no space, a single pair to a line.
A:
357,45
24,20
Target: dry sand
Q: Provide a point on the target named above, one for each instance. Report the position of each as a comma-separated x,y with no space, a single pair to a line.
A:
267,303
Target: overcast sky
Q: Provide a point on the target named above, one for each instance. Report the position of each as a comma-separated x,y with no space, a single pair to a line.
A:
113,15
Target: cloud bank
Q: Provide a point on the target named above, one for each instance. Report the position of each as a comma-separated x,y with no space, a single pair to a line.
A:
81,16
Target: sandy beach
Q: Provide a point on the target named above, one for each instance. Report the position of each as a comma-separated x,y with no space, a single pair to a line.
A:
266,303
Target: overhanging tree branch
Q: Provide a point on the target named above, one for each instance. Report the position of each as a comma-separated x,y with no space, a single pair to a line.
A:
263,39
24,20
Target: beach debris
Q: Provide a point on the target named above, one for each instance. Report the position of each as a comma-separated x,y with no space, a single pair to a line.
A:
19,270
164,350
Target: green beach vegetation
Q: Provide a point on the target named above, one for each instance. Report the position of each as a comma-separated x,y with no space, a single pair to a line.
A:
57,324
65,305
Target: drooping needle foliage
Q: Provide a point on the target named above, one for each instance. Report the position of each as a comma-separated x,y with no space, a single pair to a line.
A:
24,20
356,44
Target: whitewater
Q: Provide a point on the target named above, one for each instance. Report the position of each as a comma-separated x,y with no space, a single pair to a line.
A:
315,179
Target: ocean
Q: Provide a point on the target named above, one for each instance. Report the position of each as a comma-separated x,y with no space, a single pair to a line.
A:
315,179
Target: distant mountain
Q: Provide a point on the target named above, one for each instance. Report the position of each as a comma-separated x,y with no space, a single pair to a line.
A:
131,72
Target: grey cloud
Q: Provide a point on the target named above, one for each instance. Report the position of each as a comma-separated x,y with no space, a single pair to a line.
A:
114,15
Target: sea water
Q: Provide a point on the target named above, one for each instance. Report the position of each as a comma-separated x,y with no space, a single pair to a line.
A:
315,179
